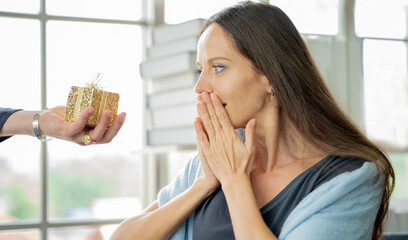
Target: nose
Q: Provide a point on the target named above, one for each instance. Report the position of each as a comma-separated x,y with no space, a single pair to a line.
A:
203,84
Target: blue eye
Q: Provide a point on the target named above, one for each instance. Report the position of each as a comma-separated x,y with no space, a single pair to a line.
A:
218,68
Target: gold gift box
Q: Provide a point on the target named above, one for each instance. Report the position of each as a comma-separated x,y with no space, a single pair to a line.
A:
82,97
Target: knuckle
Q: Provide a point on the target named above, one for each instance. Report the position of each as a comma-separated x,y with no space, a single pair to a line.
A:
202,137
97,138
223,115
213,116
208,126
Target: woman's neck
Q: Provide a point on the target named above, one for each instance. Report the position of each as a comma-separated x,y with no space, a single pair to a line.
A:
281,144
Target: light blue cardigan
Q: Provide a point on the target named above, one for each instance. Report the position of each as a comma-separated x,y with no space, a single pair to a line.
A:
343,208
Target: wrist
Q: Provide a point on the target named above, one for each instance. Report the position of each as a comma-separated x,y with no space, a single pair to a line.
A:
41,123
38,127
204,187
20,123
235,181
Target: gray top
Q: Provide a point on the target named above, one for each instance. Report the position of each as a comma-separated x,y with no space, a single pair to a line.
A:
212,219
342,207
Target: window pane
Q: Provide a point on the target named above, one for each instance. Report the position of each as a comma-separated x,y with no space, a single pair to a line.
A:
176,161
82,233
76,51
312,16
386,92
19,170
21,6
178,11
20,63
20,234
97,181
119,9
400,163
397,220
381,18
19,179
94,183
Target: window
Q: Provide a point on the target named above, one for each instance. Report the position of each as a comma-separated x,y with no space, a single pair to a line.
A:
381,18
178,11
20,170
383,26
20,234
89,190
312,16
20,6
386,85
82,232
120,9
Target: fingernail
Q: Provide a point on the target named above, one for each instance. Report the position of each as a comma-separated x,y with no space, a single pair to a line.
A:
91,110
205,95
212,95
253,122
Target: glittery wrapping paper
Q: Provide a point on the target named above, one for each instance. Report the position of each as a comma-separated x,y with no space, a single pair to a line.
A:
80,98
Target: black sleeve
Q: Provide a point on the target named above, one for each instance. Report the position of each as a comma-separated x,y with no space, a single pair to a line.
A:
5,113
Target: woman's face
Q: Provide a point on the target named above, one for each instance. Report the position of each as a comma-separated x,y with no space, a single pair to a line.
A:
225,72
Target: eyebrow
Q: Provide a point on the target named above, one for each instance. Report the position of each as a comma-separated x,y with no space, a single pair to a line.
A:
215,58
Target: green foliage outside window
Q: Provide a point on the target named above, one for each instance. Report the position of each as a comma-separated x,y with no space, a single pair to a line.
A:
21,206
66,192
76,191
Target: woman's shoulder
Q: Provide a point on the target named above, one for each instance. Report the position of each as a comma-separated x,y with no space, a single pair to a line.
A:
347,205
333,166
347,163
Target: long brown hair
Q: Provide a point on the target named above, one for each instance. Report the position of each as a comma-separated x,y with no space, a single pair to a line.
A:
264,34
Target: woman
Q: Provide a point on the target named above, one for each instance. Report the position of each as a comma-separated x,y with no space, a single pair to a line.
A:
304,170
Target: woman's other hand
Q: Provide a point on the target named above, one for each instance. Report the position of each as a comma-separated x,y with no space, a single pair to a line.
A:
207,174
226,154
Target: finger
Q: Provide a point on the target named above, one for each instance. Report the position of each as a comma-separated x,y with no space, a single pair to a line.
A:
202,138
81,121
199,117
199,148
203,160
205,117
100,129
250,135
114,129
222,115
211,112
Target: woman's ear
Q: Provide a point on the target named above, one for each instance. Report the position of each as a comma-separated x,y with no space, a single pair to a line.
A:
268,86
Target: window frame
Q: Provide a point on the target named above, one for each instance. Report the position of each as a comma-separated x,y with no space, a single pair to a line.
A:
148,19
